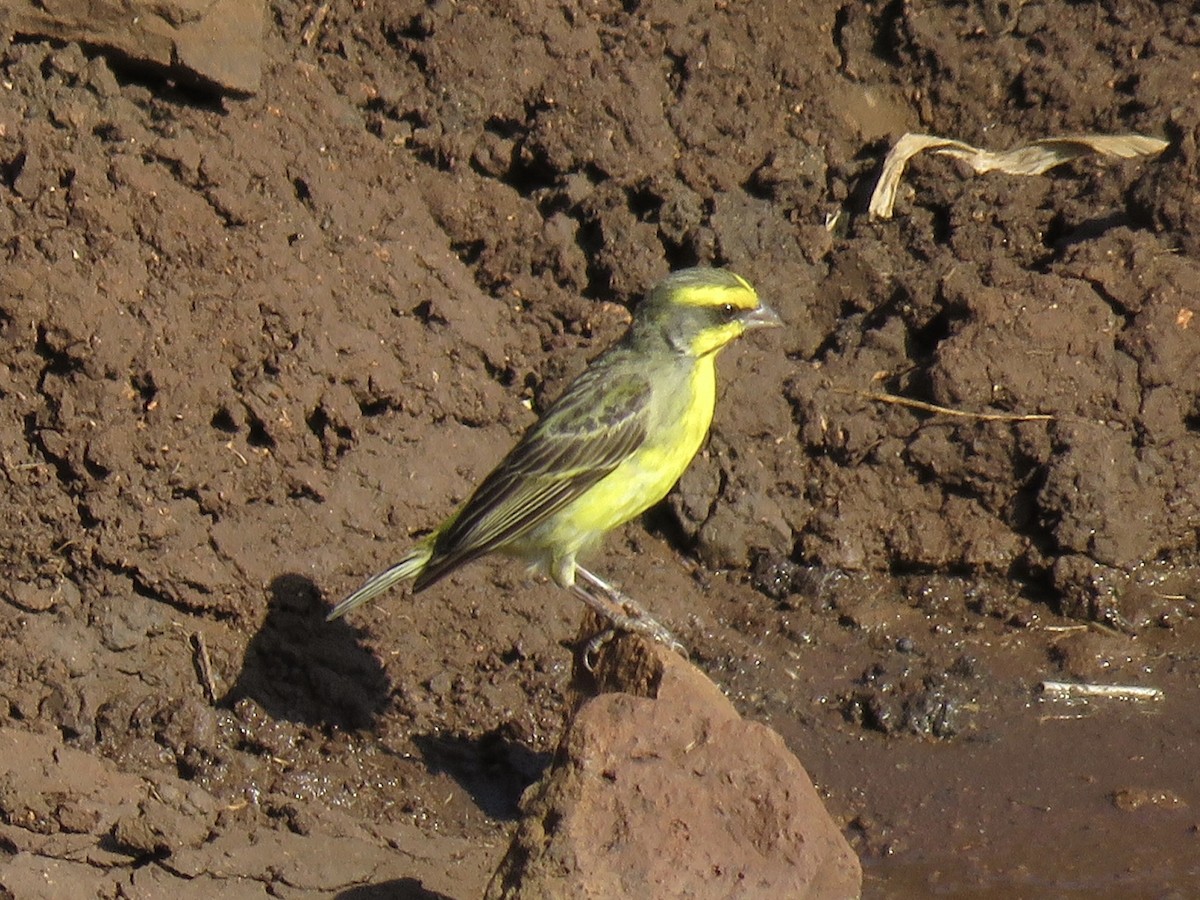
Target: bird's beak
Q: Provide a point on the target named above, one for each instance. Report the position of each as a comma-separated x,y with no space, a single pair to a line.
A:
761,316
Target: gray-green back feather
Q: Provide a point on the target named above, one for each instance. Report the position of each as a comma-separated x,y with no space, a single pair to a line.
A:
590,430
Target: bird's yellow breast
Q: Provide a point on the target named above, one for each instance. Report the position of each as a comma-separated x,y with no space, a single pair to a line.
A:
677,430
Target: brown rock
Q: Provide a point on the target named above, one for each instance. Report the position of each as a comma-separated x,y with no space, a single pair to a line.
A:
660,789
211,44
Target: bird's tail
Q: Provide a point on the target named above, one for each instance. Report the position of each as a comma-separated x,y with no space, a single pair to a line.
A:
408,567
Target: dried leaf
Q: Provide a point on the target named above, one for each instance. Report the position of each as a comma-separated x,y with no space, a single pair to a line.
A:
1033,158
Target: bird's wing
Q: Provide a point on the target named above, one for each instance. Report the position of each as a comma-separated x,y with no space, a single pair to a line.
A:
598,423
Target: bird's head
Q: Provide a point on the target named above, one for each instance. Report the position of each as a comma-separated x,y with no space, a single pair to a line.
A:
699,311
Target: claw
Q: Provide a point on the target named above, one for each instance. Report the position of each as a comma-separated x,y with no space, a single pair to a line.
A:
591,651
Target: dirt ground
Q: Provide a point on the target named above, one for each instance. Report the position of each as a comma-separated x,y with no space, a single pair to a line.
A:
249,348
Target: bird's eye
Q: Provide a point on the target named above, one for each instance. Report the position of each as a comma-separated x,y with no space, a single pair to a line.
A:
728,311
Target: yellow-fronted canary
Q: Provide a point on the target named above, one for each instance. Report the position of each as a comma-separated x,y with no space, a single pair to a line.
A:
609,448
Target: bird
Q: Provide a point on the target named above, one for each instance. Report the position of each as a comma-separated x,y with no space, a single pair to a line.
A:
609,448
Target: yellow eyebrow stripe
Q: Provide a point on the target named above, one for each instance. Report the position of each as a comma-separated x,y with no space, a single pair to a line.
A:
741,295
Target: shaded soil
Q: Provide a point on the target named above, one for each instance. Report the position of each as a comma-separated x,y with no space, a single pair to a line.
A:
249,348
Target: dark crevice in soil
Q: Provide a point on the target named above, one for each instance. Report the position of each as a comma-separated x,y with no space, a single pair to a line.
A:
58,361
10,169
1192,420
924,341
661,521
335,437
370,408
1119,309
1061,234
889,25
222,420
258,435
63,468
469,252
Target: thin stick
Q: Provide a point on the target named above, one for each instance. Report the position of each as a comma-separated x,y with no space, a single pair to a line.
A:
203,666
1069,690
947,411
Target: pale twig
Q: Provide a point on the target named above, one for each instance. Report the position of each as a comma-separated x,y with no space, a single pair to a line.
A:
947,411
234,450
1070,690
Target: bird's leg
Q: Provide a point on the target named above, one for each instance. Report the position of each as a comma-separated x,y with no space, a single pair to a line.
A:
631,606
606,608
622,613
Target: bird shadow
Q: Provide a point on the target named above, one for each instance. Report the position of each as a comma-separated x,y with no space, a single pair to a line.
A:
300,668
396,889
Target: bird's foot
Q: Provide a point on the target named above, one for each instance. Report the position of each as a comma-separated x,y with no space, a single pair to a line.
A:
623,614
640,624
